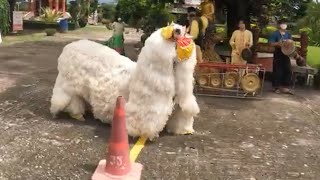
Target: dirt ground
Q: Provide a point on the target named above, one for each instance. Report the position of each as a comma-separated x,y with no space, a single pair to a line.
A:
274,138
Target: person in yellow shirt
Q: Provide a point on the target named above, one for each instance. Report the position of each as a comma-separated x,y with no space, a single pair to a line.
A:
240,40
207,9
197,29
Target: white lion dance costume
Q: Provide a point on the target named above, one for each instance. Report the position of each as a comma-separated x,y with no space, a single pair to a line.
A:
95,74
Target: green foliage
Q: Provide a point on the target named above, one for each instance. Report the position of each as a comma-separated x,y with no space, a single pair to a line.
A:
290,9
4,16
305,30
157,17
83,21
50,15
132,11
311,23
79,12
268,30
145,14
266,10
93,5
108,11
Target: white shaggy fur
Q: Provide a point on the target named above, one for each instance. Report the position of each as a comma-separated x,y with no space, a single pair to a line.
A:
181,121
151,88
97,74
85,74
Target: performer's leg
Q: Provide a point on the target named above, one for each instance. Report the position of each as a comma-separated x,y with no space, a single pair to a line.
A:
287,76
235,57
122,46
242,71
276,75
199,54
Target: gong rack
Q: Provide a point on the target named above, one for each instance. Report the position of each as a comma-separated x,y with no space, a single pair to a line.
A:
229,80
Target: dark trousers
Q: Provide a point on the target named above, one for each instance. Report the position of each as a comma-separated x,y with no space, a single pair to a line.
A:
282,74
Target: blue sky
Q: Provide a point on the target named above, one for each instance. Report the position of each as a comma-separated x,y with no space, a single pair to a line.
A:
107,1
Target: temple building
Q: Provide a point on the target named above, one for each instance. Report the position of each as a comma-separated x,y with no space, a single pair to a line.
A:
35,6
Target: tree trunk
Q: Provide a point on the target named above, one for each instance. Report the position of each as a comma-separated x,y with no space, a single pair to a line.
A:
237,10
12,5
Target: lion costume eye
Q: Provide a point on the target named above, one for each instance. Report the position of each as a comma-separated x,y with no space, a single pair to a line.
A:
177,31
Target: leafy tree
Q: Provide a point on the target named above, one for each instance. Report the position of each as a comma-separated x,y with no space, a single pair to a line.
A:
93,5
260,11
132,11
79,11
147,14
108,11
4,16
311,22
12,4
265,10
135,12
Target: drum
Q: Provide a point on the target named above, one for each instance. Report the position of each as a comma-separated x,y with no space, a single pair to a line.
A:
288,48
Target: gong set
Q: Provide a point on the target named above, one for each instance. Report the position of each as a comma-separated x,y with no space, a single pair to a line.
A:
242,80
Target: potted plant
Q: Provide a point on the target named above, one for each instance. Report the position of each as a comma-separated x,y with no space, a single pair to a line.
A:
50,16
50,31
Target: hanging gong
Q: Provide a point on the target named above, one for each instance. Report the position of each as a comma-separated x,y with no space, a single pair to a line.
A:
230,79
250,83
202,80
215,80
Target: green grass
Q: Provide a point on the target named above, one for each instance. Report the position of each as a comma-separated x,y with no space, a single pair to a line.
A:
90,28
313,57
9,40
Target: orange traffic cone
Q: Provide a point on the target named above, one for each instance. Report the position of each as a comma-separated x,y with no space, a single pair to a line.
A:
117,164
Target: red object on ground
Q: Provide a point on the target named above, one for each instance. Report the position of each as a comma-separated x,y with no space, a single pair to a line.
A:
117,164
